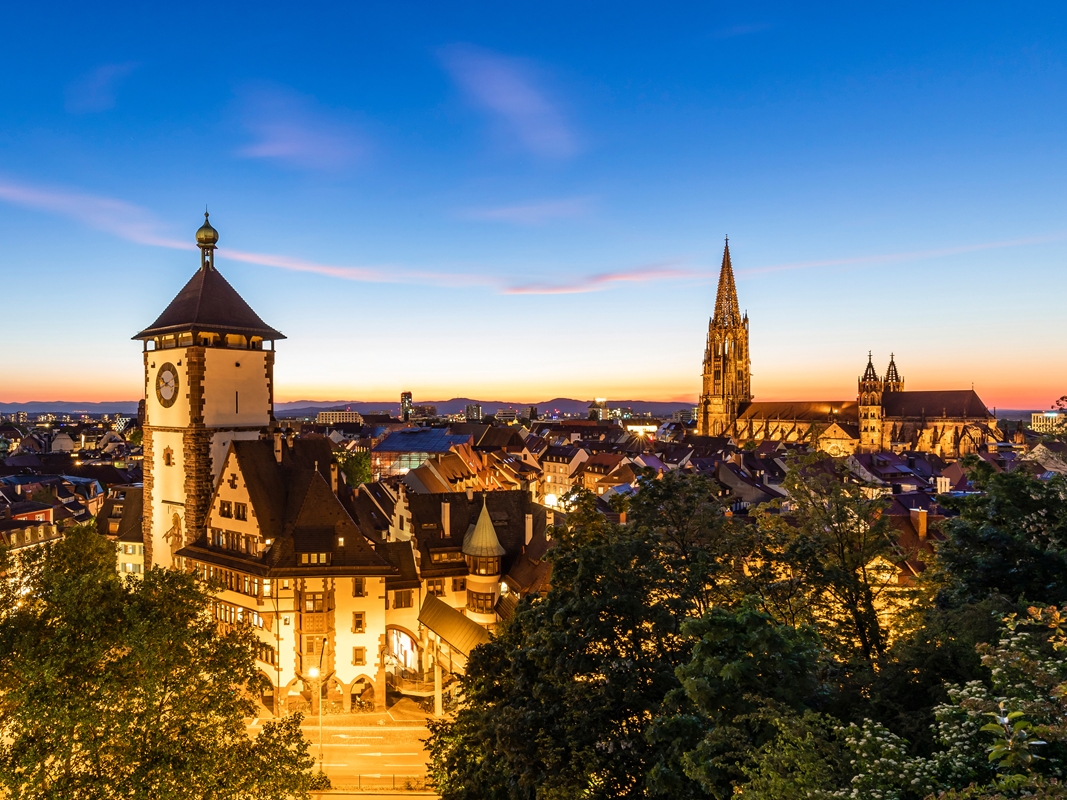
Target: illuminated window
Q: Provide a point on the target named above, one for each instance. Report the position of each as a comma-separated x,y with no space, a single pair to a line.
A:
314,601
480,602
225,508
484,566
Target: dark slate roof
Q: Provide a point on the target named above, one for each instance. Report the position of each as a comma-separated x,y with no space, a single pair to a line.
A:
132,513
294,506
209,303
804,410
402,558
960,403
507,510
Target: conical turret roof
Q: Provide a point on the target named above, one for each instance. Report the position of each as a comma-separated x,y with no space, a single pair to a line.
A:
727,313
481,540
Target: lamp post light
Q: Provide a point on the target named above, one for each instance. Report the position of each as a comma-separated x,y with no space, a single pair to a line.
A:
315,674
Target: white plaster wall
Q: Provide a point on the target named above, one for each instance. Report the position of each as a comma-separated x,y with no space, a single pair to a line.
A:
223,379
168,491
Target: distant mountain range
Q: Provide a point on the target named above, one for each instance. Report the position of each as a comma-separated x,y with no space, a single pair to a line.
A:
309,408
457,405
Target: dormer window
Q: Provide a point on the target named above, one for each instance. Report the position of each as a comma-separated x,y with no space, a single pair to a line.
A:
314,558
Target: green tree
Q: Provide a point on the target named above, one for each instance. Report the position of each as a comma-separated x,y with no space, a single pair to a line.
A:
745,671
559,702
113,689
820,553
355,466
1009,539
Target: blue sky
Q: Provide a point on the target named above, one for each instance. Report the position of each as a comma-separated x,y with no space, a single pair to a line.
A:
529,201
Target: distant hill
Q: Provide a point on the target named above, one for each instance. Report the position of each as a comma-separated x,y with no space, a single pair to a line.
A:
128,407
456,405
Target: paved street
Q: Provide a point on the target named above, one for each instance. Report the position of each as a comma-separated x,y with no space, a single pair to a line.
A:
370,751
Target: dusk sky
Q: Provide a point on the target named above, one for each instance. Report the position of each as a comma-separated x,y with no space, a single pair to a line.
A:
520,202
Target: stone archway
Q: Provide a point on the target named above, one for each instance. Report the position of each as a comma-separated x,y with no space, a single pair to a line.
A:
360,694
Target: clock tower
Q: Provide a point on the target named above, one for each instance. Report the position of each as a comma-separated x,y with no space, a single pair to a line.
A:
208,380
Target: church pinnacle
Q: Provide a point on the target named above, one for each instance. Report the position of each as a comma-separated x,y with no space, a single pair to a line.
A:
869,374
727,312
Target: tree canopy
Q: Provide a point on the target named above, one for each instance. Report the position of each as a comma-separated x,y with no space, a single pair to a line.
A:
113,689
691,653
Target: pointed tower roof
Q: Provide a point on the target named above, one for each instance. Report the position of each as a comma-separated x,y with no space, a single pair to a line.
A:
481,540
869,374
727,313
891,374
208,302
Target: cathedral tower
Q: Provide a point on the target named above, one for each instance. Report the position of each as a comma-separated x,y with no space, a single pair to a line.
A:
727,379
870,408
208,380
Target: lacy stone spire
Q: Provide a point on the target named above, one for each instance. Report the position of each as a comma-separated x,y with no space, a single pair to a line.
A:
727,379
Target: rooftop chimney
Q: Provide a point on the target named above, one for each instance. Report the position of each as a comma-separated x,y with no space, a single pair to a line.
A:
334,484
529,529
278,446
918,519
446,519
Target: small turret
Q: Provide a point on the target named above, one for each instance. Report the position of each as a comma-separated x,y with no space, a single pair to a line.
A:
893,381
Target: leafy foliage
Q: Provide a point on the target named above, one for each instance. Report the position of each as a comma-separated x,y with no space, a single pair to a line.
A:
691,653
113,689
1010,539
355,466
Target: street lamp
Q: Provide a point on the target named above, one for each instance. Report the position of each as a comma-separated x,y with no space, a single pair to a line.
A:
314,673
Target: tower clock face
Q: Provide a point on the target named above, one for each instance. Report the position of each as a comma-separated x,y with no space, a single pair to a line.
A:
167,385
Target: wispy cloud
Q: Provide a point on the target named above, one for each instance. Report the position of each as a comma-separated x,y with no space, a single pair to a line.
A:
135,224
603,280
96,91
531,213
106,214
293,129
508,89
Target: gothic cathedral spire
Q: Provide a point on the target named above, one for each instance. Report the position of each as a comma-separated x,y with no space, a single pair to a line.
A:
727,378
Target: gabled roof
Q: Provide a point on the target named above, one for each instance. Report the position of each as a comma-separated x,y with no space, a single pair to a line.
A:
208,303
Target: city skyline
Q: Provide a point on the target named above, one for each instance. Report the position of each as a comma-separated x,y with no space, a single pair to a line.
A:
490,205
